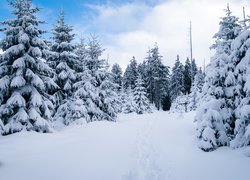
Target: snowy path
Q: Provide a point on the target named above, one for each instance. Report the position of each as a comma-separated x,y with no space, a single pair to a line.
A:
158,146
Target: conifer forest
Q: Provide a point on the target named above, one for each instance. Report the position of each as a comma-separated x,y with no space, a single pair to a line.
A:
66,112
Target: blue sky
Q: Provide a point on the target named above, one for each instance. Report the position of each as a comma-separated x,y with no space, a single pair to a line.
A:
129,27
75,10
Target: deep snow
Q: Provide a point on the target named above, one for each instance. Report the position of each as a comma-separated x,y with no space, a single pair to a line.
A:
157,146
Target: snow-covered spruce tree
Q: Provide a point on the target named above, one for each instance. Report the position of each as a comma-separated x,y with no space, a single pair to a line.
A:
187,76
140,98
157,77
177,80
66,64
117,75
127,100
74,108
194,69
25,80
1,94
107,99
142,70
81,52
239,79
130,74
215,119
85,91
94,51
63,60
88,93
110,102
196,90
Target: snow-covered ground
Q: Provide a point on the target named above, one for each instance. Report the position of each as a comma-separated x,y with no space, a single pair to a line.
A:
158,146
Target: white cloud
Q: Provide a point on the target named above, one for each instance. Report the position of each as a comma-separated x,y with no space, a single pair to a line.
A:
128,30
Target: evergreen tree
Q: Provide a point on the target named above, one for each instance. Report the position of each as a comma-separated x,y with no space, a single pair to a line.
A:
215,116
130,74
117,75
107,100
81,52
86,93
110,104
142,70
140,98
63,60
25,77
94,51
128,103
196,90
194,69
238,81
177,80
157,77
187,76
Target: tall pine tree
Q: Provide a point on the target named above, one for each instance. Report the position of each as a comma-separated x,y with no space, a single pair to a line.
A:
215,117
177,80
187,76
130,74
25,77
238,80
117,75
140,98
107,99
157,79
63,59
196,90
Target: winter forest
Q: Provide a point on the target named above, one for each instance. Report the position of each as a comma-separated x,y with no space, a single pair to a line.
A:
59,93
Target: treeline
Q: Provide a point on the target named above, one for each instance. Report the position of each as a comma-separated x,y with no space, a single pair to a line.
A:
163,86
48,84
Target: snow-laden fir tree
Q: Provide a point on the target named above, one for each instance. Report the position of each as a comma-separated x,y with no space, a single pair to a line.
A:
25,76
127,100
194,69
116,72
239,80
81,52
196,90
88,93
107,99
74,109
157,79
142,70
63,59
85,90
130,74
187,76
140,98
110,101
66,64
117,75
177,80
94,51
215,116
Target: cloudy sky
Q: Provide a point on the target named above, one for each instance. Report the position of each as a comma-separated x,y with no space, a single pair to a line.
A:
130,27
